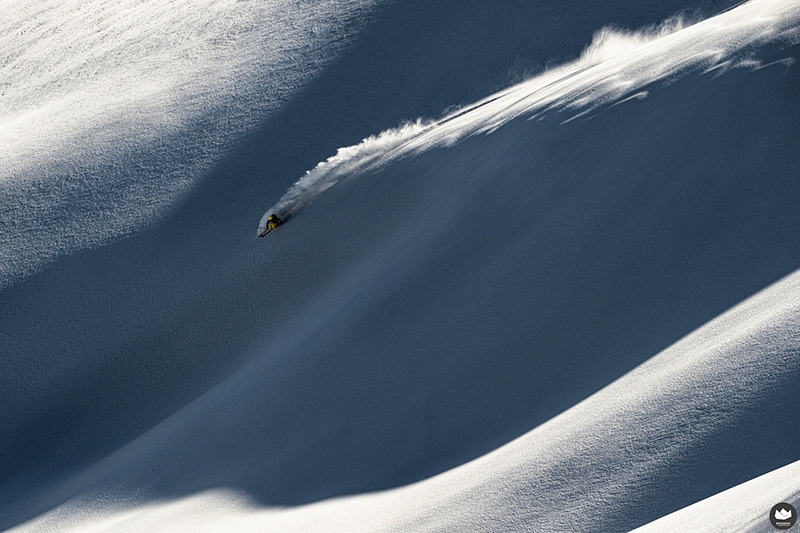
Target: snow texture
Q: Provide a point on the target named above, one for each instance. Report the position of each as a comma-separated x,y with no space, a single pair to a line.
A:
570,305
615,66
111,112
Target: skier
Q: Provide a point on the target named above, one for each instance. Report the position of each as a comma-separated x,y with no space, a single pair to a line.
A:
273,222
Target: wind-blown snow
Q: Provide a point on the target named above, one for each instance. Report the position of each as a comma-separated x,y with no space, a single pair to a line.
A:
615,66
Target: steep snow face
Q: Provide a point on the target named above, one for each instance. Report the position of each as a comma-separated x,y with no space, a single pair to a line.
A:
413,322
600,466
96,96
615,66
405,327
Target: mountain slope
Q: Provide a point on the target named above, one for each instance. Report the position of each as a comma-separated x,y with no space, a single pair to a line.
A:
440,306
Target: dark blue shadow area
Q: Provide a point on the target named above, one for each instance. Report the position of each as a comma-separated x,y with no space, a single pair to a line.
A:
107,343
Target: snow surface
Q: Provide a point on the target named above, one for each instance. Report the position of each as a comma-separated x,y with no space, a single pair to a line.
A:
738,509
613,68
111,111
570,306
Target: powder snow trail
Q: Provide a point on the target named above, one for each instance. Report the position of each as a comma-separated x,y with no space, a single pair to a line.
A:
614,67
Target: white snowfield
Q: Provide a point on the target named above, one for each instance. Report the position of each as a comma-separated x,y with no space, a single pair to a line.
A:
97,102
573,305
738,509
564,474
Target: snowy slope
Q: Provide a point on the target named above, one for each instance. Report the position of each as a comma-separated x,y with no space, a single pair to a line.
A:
738,509
111,112
514,311
700,393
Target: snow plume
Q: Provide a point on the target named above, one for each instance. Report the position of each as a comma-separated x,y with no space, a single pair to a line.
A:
610,42
370,153
615,67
